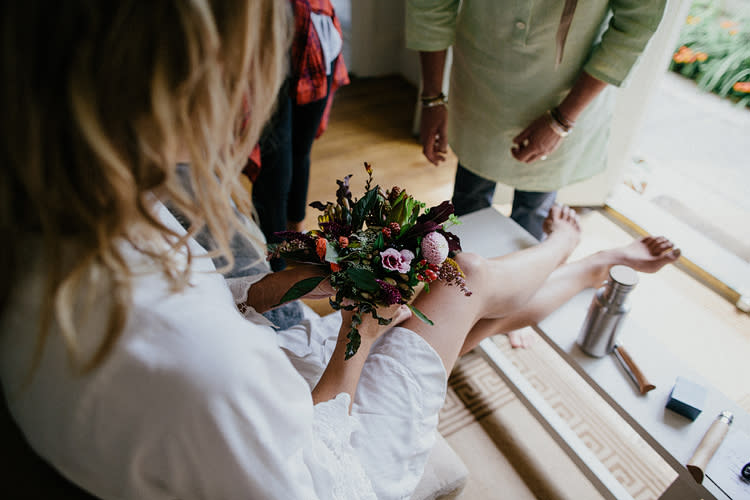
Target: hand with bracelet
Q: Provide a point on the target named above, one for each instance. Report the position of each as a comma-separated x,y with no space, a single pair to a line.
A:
433,132
542,137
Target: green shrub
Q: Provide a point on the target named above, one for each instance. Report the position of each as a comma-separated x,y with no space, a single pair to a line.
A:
714,50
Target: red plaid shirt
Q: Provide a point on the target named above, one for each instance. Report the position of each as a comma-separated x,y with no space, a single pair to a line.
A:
308,80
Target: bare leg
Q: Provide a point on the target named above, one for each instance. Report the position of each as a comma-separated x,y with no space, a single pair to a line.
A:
500,287
521,288
648,254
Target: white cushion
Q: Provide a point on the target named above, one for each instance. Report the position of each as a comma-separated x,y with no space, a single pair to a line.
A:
445,474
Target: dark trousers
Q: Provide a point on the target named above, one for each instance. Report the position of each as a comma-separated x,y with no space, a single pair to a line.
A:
280,191
472,192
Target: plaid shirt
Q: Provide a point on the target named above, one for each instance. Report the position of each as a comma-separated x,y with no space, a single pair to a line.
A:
308,75
309,81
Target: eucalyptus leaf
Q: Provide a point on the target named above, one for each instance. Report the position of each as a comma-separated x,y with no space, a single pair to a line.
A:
331,254
419,314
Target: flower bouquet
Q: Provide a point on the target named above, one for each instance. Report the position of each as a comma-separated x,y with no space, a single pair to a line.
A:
379,248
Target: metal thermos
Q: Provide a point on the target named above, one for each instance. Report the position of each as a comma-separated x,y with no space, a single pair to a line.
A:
607,311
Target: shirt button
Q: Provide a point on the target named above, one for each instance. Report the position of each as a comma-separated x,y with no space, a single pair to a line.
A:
520,25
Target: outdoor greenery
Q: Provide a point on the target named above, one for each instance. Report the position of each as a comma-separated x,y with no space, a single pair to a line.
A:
714,50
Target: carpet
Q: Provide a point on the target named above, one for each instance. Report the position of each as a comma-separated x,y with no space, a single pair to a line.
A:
477,395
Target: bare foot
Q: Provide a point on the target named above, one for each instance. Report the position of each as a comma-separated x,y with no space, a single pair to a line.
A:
562,222
521,338
649,254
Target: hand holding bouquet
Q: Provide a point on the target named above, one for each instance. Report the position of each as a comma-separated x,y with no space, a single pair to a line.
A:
379,248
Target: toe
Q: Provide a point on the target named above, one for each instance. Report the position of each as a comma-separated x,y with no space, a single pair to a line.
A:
516,339
664,246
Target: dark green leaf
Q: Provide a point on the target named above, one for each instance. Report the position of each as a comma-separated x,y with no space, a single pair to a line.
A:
379,242
363,279
363,207
300,288
354,339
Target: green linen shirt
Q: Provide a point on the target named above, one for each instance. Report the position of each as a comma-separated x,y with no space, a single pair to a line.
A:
503,77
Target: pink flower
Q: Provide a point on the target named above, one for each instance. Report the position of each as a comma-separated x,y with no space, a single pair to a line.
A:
434,248
394,260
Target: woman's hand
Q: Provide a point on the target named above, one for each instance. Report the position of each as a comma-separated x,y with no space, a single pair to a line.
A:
536,142
370,329
342,374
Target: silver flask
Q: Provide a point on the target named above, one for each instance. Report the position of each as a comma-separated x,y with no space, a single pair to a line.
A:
607,311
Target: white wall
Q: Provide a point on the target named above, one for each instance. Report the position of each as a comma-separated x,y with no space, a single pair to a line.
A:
377,37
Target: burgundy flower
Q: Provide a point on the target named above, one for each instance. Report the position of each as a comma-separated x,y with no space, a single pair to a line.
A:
391,293
294,236
336,229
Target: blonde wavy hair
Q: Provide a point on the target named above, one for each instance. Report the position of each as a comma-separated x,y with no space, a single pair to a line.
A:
101,100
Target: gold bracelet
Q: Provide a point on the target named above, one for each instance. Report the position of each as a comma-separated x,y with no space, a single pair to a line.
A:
438,100
555,126
567,124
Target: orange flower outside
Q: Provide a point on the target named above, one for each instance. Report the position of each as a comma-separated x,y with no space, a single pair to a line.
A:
320,247
742,87
686,55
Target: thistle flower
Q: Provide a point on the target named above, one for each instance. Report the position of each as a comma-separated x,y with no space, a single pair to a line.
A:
435,248
391,294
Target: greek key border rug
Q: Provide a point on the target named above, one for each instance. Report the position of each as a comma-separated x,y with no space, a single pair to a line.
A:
477,393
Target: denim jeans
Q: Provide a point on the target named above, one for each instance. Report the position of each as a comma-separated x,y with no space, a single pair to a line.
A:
472,192
280,191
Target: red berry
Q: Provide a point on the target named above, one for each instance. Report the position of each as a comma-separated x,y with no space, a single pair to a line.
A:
386,232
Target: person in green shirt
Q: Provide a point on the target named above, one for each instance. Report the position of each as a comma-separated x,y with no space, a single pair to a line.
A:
530,91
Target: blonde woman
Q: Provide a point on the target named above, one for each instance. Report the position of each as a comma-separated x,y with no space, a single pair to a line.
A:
133,367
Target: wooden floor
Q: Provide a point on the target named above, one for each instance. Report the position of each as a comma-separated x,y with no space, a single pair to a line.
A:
371,122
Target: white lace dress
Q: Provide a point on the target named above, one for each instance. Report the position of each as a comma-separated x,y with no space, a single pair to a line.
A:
197,402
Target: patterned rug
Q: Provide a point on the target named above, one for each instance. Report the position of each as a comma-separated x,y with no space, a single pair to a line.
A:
478,394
